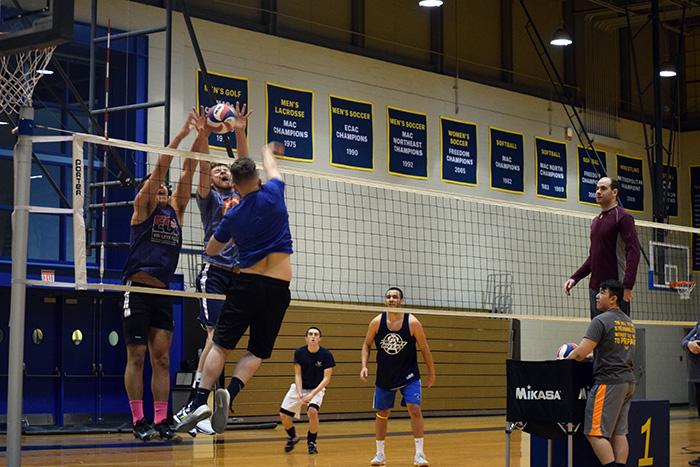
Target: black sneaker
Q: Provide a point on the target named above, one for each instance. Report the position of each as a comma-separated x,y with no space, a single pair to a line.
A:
312,448
290,443
166,433
143,430
694,461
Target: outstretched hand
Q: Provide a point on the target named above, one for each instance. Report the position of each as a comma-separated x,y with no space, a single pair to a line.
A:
190,124
241,118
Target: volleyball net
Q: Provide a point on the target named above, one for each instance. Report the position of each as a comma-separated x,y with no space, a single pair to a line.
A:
354,237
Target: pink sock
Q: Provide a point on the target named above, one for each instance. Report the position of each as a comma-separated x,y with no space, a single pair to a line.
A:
136,410
160,411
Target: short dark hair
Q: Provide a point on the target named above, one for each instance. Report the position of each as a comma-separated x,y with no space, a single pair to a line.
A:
143,181
397,289
615,184
243,169
615,287
316,328
217,164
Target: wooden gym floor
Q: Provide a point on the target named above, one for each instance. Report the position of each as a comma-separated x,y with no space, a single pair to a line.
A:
459,441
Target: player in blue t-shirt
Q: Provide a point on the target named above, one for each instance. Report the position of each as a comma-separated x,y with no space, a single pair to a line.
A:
260,294
215,196
396,335
313,368
155,243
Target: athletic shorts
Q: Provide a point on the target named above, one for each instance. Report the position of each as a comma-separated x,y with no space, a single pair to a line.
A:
384,398
142,311
212,279
291,405
254,301
607,408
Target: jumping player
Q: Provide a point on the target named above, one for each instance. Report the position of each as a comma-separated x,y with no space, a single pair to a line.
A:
395,334
154,250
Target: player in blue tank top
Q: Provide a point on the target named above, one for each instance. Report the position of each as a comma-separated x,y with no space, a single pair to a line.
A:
260,294
215,196
155,243
395,335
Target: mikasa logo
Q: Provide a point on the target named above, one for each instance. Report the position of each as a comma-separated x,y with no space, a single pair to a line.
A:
530,394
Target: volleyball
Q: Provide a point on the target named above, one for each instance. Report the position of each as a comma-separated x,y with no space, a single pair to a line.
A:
564,351
221,118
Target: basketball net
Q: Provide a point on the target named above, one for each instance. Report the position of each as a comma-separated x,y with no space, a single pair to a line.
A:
19,74
684,288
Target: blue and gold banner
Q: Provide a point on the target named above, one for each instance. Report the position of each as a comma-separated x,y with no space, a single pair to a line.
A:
507,161
351,133
630,172
290,121
670,184
589,172
226,89
407,140
695,213
550,168
458,150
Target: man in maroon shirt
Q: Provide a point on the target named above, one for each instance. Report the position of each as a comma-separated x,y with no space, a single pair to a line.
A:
614,252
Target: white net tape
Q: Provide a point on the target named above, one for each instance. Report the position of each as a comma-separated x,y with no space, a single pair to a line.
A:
18,77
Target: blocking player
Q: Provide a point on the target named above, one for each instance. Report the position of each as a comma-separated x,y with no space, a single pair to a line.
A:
215,196
260,294
611,336
313,368
396,334
154,250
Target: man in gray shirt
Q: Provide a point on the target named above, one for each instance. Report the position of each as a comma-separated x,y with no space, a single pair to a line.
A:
611,336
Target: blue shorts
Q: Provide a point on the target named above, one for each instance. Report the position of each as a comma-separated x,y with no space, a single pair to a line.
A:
212,279
384,398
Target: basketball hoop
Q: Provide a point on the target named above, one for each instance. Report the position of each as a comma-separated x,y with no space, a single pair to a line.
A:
18,77
684,288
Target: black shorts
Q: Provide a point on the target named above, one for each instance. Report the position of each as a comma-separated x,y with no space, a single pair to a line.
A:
254,301
143,311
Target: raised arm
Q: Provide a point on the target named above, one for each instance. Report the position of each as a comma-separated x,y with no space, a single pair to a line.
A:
419,334
367,346
239,126
269,161
183,189
145,200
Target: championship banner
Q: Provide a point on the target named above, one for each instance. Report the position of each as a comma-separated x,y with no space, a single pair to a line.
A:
670,185
550,168
695,213
507,161
351,133
407,141
290,121
225,90
630,172
458,150
589,172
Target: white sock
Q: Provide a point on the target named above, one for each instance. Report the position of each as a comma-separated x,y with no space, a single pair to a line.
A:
380,447
419,445
197,379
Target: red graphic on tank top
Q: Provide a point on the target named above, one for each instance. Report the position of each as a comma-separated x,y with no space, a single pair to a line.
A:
230,203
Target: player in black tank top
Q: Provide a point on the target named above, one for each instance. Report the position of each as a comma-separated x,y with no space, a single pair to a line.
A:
156,241
396,335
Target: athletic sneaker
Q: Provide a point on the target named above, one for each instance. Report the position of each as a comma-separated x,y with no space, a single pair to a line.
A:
166,433
192,432
188,417
222,405
420,460
694,461
204,426
312,448
290,443
143,430
378,459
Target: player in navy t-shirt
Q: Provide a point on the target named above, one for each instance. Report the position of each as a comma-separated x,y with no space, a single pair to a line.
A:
215,196
260,294
396,335
313,368
155,243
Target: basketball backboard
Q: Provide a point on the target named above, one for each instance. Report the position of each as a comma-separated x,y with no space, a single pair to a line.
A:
34,24
668,263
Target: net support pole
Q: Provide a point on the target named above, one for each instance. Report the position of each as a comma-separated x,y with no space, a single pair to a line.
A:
20,224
